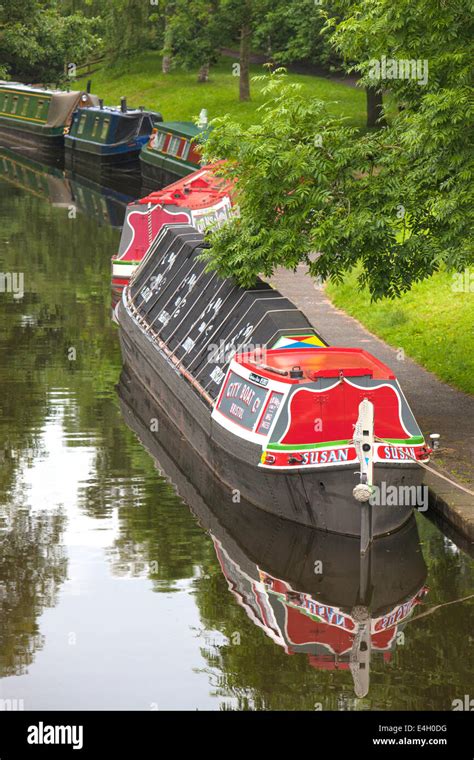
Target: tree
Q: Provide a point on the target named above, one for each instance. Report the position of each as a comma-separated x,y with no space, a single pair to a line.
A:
244,51
193,35
312,190
291,31
167,50
420,53
36,41
242,19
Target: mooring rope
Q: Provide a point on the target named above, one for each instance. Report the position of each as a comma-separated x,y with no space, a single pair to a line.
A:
429,611
430,469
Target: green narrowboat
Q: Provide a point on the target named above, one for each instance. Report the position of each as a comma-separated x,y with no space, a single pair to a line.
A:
32,116
172,152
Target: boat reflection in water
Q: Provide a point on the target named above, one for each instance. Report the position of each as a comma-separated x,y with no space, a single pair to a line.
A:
310,591
67,190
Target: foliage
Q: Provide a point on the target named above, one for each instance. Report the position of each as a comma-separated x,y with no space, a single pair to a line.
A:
305,183
36,41
196,32
399,202
130,26
292,30
430,169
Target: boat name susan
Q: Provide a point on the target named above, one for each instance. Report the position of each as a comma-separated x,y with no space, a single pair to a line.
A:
324,456
397,452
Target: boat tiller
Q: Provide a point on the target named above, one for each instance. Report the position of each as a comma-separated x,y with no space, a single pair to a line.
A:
364,446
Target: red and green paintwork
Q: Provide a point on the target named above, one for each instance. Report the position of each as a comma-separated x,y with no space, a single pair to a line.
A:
173,147
311,398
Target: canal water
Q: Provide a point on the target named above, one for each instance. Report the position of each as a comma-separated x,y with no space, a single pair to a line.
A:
121,587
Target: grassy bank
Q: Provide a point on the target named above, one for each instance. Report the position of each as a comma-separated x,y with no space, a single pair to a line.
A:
432,323
179,96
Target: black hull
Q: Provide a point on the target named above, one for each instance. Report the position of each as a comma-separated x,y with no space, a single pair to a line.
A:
122,176
392,571
155,178
319,499
103,167
44,146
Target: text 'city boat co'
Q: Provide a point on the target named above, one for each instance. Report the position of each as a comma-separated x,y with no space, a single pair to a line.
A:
294,426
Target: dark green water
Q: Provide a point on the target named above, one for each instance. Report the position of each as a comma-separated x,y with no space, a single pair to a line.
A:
111,592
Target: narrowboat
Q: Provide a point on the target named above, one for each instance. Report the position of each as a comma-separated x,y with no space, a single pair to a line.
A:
342,617
171,153
104,137
298,428
202,199
32,116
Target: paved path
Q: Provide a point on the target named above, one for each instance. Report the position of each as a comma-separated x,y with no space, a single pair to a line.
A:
438,407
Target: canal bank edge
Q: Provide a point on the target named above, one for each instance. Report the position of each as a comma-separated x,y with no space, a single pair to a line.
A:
438,407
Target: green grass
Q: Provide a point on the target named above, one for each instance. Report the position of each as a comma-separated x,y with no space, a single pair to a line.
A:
178,95
432,323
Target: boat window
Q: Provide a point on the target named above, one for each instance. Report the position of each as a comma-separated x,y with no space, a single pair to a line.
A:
96,127
159,141
126,129
39,108
185,151
105,129
5,103
173,146
15,104
25,106
81,122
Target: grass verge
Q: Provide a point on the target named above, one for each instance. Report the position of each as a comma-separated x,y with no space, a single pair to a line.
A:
178,95
433,323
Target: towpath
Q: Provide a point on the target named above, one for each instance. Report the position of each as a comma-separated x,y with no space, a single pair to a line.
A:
438,407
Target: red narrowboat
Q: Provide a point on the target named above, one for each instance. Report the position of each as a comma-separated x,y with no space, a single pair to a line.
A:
201,199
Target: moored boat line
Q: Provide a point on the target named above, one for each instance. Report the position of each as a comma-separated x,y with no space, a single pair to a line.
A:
256,403
99,139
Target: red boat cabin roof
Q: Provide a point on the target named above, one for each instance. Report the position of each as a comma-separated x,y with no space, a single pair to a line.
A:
200,189
306,364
